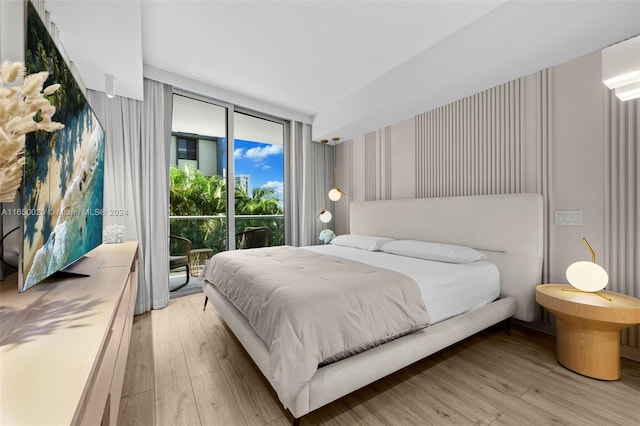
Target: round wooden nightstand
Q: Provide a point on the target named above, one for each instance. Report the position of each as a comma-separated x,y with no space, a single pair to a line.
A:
588,328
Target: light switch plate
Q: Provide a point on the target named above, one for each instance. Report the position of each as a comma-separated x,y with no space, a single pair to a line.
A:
568,217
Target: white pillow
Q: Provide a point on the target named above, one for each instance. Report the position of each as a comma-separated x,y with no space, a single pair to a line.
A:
434,251
363,242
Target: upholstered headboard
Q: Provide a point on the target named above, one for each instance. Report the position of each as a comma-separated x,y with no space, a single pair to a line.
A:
508,228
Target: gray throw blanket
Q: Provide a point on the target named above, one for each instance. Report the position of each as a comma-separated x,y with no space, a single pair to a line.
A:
310,308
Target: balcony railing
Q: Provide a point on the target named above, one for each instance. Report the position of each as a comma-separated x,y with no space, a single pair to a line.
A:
211,231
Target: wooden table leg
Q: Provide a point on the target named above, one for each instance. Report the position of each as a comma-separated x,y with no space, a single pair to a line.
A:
591,352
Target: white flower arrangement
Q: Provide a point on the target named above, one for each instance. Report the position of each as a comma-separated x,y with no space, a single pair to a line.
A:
326,235
23,109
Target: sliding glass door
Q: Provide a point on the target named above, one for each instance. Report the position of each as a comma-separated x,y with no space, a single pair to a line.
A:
226,180
258,157
197,186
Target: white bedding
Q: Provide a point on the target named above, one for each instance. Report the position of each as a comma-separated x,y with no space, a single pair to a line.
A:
308,307
447,289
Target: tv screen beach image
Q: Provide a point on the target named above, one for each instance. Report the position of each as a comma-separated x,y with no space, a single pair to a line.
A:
64,170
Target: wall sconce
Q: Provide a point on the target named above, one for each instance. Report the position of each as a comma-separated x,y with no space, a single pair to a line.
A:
588,276
336,193
621,68
109,85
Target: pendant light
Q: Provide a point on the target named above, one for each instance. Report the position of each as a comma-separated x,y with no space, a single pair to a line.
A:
335,193
324,215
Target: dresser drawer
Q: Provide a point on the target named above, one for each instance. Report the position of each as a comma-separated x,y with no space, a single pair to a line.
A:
98,401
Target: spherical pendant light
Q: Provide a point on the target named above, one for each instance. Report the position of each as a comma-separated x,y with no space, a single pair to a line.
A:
335,194
325,216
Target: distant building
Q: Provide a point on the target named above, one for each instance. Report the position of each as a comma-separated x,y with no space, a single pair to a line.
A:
244,181
199,152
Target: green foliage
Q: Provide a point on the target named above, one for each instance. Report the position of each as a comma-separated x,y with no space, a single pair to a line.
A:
193,194
261,201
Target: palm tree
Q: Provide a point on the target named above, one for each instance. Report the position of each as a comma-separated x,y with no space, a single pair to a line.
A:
193,194
265,200
242,200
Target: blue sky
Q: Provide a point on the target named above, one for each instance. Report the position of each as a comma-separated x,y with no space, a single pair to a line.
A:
263,162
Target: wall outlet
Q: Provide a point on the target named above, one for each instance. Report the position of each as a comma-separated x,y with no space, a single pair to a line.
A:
568,217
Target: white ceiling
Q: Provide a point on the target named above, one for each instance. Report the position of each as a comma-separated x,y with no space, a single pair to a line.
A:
349,66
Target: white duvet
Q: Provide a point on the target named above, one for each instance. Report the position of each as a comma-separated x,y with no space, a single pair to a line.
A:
447,289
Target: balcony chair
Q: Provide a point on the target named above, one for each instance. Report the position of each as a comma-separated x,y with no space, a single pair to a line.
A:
253,237
179,256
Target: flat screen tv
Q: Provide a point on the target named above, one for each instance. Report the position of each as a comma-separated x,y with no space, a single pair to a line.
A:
64,170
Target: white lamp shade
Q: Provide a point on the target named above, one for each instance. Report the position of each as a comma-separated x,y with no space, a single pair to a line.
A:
325,216
335,194
587,276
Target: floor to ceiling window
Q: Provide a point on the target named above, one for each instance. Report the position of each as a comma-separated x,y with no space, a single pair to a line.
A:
214,147
258,157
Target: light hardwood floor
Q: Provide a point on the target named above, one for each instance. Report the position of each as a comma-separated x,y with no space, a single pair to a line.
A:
185,368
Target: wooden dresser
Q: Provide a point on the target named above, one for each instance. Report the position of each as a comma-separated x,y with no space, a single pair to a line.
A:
64,343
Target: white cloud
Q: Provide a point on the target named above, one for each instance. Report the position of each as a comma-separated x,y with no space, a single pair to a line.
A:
260,153
237,153
266,167
275,185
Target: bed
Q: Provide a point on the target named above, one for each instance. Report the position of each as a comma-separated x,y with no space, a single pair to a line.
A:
507,229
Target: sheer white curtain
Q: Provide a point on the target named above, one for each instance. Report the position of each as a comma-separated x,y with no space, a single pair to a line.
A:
136,181
311,171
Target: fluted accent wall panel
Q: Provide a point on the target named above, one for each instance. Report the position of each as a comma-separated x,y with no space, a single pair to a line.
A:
558,132
370,166
386,168
543,158
378,167
543,139
472,146
344,176
622,202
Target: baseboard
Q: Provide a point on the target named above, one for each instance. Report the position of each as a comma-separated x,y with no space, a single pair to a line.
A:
537,326
630,352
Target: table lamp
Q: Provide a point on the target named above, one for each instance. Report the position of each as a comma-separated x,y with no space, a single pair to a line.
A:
588,276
